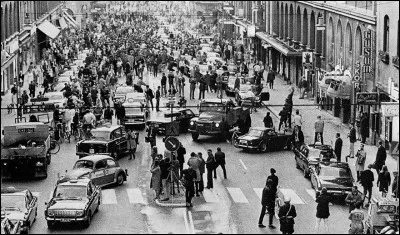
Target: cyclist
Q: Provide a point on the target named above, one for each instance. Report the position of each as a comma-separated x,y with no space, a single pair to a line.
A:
68,116
89,120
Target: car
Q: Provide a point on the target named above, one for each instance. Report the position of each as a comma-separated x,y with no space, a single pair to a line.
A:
108,139
182,116
245,95
61,82
120,93
263,139
19,205
336,177
101,169
136,109
74,200
50,100
213,54
9,227
308,156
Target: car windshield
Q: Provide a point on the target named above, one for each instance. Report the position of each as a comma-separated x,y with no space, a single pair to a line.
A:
133,110
212,107
255,133
83,164
123,90
10,202
69,191
335,172
55,97
101,134
245,88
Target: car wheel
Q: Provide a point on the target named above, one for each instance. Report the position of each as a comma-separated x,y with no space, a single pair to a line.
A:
263,147
50,224
305,173
120,179
195,136
86,223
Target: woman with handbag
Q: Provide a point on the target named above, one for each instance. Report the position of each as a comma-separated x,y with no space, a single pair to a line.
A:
360,161
286,215
155,182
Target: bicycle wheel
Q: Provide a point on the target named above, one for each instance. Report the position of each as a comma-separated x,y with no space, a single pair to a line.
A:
54,147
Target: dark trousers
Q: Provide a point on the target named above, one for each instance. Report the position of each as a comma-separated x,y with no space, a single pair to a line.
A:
201,93
189,192
197,187
151,103
369,190
209,178
271,215
271,85
164,90
316,137
223,169
158,104
132,152
191,93
201,183
363,138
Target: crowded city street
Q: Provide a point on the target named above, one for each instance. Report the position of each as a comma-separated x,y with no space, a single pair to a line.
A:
171,125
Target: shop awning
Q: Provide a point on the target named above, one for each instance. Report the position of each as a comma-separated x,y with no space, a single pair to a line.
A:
278,45
228,22
49,29
68,18
63,24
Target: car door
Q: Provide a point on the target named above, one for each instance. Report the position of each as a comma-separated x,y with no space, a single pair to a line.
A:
110,171
271,140
91,197
98,175
120,136
303,157
314,177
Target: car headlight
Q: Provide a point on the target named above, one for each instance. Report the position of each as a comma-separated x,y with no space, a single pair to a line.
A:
192,123
80,213
216,124
50,213
39,164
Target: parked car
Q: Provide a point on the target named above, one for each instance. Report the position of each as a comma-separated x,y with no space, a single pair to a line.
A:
75,200
182,116
335,176
136,110
19,205
48,102
9,227
61,82
101,169
245,95
120,93
263,139
308,156
108,140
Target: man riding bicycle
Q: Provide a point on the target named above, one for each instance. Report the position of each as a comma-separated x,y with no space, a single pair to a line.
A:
89,121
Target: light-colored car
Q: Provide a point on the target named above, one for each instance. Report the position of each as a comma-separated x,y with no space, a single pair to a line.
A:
61,82
51,99
136,110
120,93
244,95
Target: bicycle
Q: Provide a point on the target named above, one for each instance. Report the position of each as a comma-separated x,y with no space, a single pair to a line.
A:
66,133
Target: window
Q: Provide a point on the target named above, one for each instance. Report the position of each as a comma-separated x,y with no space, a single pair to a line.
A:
358,47
111,163
101,165
386,33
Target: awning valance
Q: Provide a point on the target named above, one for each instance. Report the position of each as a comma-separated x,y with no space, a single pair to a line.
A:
49,29
68,18
63,24
278,45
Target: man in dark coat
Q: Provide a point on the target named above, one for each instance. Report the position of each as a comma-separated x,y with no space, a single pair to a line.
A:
364,128
268,123
367,179
274,178
271,78
338,147
297,137
181,157
323,200
210,165
380,157
286,215
189,175
268,203
220,159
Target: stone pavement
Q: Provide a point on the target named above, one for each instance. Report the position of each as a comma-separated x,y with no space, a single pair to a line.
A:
333,125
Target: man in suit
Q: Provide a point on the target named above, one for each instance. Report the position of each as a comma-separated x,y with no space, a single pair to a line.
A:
380,157
158,96
338,147
220,159
353,139
268,203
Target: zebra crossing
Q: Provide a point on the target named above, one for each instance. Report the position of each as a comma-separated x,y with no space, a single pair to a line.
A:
237,195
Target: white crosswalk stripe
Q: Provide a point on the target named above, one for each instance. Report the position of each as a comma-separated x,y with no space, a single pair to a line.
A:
109,196
258,191
311,192
237,195
135,196
295,198
210,196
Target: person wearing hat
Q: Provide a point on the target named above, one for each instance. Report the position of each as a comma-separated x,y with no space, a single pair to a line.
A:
323,200
338,147
274,178
287,213
380,157
367,179
268,203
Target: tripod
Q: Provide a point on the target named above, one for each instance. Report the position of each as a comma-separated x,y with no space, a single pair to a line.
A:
173,178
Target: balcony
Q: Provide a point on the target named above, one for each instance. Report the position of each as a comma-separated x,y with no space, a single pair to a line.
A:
395,61
384,56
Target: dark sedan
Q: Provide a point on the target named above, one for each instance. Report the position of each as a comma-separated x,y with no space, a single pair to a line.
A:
183,116
336,177
263,139
308,156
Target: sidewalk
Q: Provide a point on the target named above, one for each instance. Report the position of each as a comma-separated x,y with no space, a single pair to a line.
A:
333,125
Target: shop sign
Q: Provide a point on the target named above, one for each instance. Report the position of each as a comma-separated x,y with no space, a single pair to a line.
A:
390,109
357,68
368,58
367,97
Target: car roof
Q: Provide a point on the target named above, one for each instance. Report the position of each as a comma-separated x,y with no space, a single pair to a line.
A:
95,157
75,182
106,128
260,128
343,165
215,101
13,190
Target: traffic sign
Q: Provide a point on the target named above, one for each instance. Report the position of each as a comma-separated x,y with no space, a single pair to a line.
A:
172,129
172,144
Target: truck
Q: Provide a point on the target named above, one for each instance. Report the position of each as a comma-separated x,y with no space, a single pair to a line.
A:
217,117
383,215
25,150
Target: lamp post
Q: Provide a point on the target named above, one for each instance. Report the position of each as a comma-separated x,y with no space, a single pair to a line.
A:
320,26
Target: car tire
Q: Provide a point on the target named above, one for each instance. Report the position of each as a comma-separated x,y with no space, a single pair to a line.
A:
263,147
86,223
120,179
195,136
50,224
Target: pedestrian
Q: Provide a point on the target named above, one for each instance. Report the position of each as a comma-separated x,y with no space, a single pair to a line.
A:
319,130
268,204
353,139
268,123
171,80
380,157
151,136
158,96
358,124
149,96
287,213
181,157
156,179
202,171
323,200
174,176
283,118
181,85
338,147
189,175
274,178
210,165
384,180
357,220
108,113
304,85
220,159
32,88
120,112
207,78
364,128
164,85
192,82
131,143
165,171
237,83
271,78
353,198
194,163
360,161
367,179
297,119
297,137
202,87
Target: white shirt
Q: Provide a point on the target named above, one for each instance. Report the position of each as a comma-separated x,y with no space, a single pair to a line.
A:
297,120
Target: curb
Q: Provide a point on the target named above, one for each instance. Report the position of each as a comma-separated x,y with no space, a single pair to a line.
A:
159,203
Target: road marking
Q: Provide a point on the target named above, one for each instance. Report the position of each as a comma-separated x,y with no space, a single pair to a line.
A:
295,199
237,195
244,166
209,196
311,192
191,224
186,222
258,191
135,196
108,196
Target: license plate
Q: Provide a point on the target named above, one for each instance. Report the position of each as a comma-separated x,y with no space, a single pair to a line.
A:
243,141
65,220
200,125
91,150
